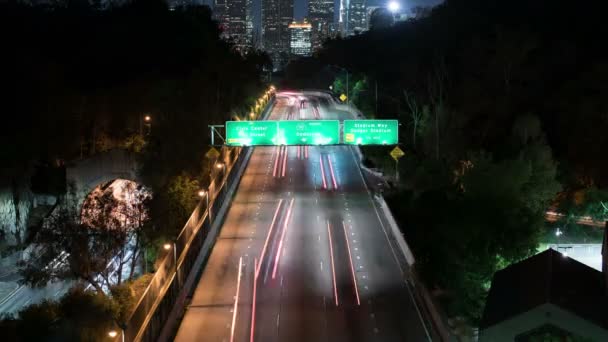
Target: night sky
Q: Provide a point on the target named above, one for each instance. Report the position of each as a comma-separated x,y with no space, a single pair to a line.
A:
300,7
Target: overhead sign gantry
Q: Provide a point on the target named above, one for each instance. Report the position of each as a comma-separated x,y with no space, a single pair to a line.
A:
311,132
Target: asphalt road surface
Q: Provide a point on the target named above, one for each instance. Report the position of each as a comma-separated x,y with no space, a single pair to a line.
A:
303,254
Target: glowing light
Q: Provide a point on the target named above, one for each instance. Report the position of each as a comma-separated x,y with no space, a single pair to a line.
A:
274,218
254,300
167,246
393,6
322,172
236,300
202,193
278,257
276,161
113,333
147,118
284,161
331,169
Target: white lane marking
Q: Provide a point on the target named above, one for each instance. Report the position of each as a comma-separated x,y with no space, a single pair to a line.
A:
236,300
352,268
333,269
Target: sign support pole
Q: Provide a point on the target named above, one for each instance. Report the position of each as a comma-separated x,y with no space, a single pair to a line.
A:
397,170
214,130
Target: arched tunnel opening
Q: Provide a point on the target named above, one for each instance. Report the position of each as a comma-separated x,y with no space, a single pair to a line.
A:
118,209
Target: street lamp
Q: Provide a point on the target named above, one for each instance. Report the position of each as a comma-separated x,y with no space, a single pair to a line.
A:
145,120
114,333
204,193
167,246
219,166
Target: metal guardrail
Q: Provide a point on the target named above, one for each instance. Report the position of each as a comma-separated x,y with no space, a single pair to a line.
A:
154,306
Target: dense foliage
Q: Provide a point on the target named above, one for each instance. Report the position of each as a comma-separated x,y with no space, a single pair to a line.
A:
78,316
79,80
502,107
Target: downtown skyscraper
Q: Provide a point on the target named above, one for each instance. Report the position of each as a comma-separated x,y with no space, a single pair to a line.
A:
321,17
300,44
357,15
276,17
235,20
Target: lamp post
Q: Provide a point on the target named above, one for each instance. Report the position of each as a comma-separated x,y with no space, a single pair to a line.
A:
167,246
205,193
114,333
145,120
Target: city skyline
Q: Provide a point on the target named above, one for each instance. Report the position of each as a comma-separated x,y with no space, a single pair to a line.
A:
301,9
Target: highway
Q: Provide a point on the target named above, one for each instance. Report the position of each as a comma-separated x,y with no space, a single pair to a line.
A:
303,255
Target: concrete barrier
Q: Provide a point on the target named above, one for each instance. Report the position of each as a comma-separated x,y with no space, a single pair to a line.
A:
403,246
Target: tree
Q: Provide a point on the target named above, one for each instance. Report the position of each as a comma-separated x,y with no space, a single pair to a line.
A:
92,251
381,18
78,316
418,116
86,316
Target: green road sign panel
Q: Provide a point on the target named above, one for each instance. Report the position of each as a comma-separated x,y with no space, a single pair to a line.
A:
371,132
251,133
309,132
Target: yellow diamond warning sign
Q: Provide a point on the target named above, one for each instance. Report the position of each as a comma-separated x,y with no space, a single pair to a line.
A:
397,153
212,153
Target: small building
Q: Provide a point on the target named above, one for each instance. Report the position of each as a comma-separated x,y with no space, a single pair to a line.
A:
300,39
546,295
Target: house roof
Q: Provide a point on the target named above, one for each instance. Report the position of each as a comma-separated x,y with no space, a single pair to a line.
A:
548,277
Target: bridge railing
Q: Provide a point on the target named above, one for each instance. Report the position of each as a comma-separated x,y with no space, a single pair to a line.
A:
157,301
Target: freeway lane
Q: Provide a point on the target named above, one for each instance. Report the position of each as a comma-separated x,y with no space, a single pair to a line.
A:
305,215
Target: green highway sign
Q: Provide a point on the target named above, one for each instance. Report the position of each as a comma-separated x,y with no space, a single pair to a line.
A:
251,133
309,132
371,132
